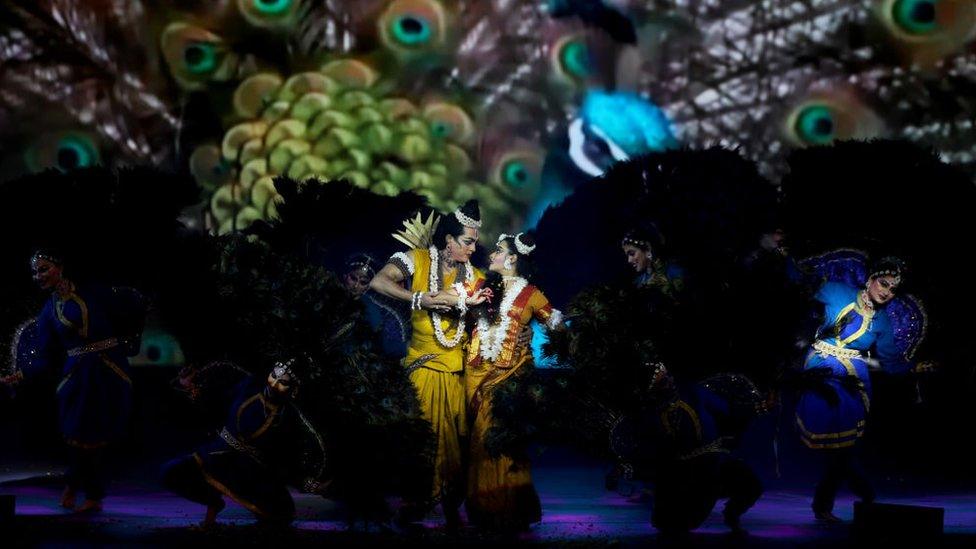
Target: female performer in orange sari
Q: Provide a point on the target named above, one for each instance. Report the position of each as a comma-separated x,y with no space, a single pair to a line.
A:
500,492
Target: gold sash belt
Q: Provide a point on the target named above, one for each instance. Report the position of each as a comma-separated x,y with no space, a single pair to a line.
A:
827,349
96,347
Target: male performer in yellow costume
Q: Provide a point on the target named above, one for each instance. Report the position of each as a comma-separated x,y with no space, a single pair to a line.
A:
440,285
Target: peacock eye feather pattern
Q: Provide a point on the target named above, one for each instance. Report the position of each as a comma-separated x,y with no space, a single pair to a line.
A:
749,61
69,54
764,77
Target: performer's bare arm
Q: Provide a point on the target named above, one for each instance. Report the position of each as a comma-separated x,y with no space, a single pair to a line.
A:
389,281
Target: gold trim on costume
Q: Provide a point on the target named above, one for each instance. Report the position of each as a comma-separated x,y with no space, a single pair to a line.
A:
809,434
115,368
865,326
866,317
102,345
828,349
828,446
227,491
666,420
268,420
714,447
240,409
419,363
59,311
106,361
849,366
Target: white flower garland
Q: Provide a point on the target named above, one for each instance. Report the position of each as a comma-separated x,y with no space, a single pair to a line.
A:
462,303
434,286
493,337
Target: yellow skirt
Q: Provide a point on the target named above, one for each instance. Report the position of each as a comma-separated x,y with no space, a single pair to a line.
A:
500,493
442,403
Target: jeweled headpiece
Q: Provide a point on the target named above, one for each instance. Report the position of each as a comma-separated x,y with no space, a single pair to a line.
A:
658,373
46,257
282,369
521,247
888,266
642,244
362,262
362,266
466,221
645,237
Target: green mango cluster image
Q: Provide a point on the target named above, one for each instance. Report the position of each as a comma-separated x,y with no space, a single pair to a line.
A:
329,124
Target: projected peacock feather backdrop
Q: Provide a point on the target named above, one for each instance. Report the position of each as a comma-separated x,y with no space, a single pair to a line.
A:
513,102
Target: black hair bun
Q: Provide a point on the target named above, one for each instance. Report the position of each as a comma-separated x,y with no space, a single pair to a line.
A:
471,209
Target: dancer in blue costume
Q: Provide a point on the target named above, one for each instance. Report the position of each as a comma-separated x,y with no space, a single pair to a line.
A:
384,315
641,247
256,455
88,332
896,211
686,441
713,206
864,328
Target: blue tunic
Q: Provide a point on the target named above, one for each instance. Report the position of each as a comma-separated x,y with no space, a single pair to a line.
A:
258,452
95,392
825,425
254,423
695,467
668,277
392,324
702,422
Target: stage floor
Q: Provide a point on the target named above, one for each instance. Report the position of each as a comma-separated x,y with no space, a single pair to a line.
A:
577,513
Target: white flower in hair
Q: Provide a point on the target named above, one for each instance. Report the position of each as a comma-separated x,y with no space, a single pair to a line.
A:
521,247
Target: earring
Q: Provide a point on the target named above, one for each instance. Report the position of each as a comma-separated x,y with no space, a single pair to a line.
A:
508,263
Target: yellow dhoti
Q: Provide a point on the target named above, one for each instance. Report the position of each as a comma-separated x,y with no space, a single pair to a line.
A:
436,371
442,403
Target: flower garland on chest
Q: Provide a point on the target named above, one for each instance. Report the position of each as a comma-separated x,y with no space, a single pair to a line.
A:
435,286
493,336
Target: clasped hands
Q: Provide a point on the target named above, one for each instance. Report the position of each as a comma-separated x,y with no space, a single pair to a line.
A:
445,300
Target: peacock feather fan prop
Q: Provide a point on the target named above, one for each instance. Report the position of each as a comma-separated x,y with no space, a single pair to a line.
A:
616,336
910,204
710,209
272,306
